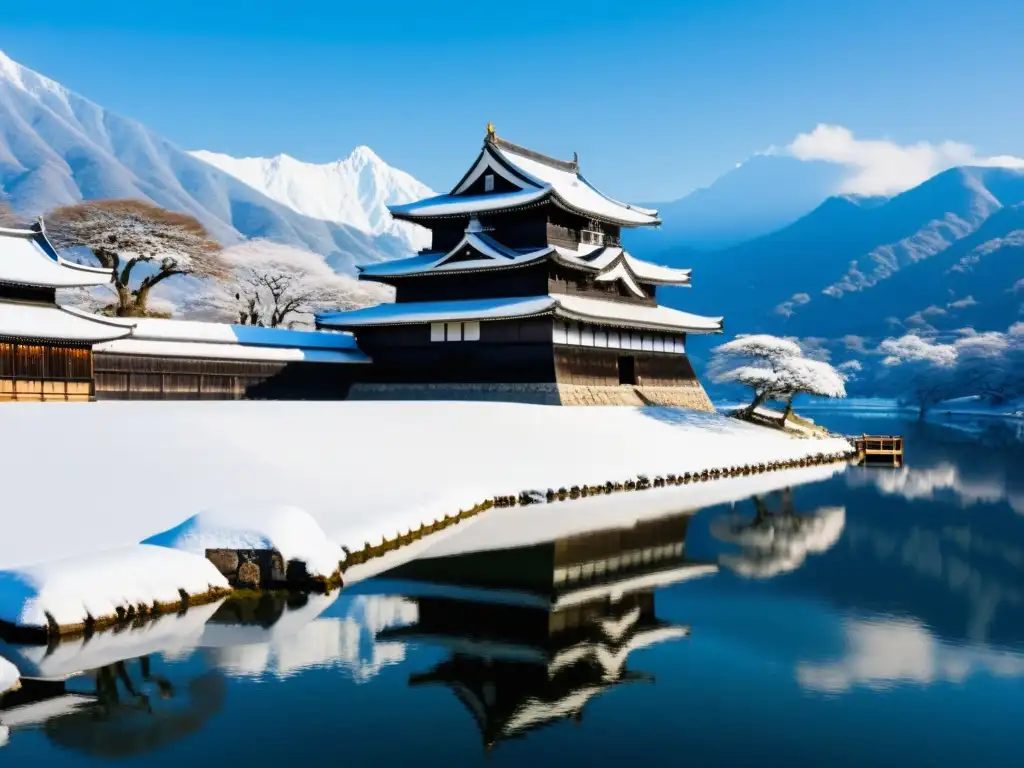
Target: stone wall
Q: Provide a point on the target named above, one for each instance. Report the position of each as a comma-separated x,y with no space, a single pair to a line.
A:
690,396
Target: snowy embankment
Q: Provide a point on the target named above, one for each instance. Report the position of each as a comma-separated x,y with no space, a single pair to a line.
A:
120,473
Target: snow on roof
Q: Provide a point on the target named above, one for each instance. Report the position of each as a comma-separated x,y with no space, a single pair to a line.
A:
538,178
573,307
620,272
156,348
430,311
192,338
468,205
606,261
494,255
638,315
28,258
40,321
602,257
574,190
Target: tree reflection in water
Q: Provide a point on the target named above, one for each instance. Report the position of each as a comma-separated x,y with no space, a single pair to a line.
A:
138,722
777,541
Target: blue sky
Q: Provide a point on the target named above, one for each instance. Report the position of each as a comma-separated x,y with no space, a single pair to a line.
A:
656,96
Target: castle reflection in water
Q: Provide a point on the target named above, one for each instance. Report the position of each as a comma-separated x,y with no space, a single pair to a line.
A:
529,636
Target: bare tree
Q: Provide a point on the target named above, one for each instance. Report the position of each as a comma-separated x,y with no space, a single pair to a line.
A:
276,285
142,243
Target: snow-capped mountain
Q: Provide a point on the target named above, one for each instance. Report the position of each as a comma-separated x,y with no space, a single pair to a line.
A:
354,191
57,147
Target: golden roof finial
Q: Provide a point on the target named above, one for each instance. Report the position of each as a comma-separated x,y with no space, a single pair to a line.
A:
490,131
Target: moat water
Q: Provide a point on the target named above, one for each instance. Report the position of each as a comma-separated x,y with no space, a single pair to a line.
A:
874,618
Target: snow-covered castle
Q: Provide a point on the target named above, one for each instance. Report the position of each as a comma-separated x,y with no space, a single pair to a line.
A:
524,294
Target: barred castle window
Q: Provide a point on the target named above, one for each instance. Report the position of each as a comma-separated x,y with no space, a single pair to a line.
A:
464,331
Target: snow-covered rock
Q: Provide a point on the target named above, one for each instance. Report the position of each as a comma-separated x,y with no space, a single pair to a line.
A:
355,191
289,530
97,583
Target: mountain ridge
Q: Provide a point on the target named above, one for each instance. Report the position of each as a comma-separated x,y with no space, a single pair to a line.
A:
58,148
846,269
355,190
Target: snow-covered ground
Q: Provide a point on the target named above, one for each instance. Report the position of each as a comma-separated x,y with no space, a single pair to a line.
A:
117,474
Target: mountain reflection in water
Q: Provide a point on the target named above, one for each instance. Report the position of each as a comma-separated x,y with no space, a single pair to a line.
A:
874,617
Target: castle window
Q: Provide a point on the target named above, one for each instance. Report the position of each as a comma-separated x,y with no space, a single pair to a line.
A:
489,182
468,331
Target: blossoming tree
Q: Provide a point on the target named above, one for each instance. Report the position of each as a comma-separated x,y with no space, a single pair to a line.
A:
775,369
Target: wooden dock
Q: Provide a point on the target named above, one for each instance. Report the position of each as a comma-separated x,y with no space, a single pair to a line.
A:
879,449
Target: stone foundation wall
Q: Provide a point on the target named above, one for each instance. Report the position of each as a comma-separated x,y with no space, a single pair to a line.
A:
692,396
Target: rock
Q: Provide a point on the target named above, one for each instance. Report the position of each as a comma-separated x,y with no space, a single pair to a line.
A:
224,560
248,575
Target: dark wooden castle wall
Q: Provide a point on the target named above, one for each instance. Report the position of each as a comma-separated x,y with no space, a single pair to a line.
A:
509,351
566,228
136,377
534,280
591,366
522,281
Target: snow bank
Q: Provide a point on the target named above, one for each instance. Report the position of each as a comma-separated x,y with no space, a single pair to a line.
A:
291,531
9,676
95,585
362,470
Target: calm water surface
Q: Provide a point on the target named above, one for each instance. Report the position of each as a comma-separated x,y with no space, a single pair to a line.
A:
875,618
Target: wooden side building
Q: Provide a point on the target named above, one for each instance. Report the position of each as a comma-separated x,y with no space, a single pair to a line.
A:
46,349
526,293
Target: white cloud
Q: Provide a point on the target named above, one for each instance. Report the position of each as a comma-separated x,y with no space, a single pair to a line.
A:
882,654
883,167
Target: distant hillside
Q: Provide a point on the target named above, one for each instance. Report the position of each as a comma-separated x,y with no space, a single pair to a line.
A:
760,195
945,254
